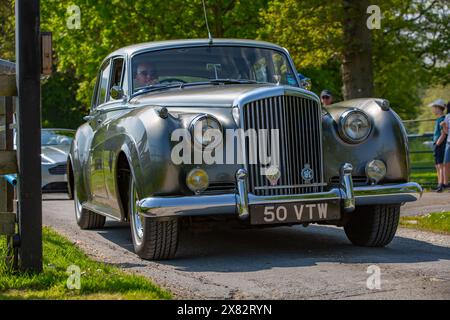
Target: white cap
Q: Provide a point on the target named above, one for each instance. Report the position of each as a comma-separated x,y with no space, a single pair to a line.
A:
439,103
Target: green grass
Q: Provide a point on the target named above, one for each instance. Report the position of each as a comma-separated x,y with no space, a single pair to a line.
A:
424,177
436,222
98,280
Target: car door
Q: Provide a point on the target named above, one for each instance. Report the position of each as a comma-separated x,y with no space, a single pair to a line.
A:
111,145
96,172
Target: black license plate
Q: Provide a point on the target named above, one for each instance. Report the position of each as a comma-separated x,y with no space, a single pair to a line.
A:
295,212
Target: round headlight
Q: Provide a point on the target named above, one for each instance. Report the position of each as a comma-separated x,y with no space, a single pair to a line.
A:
355,126
376,170
197,180
206,130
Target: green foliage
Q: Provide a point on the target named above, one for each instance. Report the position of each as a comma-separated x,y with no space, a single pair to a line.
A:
326,77
410,51
60,108
98,280
7,25
437,222
110,25
309,29
312,33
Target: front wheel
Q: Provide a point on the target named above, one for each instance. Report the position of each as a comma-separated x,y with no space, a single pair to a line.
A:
373,226
152,240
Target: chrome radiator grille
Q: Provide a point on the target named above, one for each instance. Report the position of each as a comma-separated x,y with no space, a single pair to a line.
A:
298,120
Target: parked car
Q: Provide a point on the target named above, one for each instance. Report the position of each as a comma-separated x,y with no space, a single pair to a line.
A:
161,111
55,145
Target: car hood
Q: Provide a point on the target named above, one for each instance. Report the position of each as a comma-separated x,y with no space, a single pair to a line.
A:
214,95
55,153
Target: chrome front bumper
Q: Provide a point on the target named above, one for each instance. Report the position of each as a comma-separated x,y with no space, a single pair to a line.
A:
238,204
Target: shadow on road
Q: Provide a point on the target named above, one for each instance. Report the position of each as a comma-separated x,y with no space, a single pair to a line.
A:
237,250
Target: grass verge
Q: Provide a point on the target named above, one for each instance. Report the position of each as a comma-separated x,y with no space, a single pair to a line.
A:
97,280
436,222
427,179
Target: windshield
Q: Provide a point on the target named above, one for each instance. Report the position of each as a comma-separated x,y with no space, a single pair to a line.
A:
56,137
203,64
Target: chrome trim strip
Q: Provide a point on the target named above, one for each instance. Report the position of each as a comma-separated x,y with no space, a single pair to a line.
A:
95,209
333,194
188,206
388,194
263,93
293,186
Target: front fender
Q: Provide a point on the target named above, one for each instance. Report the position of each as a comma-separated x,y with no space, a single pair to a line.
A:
146,140
387,142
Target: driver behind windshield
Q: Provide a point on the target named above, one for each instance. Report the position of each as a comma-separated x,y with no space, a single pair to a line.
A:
145,75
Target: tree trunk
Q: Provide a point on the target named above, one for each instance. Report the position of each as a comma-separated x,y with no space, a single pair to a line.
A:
357,72
218,19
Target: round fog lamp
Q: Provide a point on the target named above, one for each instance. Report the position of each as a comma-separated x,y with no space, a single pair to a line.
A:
376,170
197,180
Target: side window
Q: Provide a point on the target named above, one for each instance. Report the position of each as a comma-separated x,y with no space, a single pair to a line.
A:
117,73
103,87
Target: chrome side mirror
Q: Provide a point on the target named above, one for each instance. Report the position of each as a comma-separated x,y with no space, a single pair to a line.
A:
305,83
88,118
116,93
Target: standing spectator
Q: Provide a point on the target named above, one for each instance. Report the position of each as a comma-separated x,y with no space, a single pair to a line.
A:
445,127
326,97
439,143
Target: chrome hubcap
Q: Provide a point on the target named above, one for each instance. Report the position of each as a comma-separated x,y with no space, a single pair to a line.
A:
136,217
78,206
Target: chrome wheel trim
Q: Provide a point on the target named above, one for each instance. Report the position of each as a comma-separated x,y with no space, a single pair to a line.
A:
78,206
136,220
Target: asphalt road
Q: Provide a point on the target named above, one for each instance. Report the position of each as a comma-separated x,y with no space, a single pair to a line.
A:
317,262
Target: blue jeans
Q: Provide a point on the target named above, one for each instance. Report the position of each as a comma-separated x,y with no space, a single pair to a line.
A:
447,153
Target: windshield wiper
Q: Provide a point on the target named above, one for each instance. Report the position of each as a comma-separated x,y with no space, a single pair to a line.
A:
232,81
156,87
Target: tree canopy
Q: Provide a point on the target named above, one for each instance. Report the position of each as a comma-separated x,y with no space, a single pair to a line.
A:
410,52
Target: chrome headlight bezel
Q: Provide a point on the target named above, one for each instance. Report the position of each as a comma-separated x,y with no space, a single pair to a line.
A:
194,133
343,125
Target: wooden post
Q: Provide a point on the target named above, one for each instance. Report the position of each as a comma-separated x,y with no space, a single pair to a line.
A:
28,69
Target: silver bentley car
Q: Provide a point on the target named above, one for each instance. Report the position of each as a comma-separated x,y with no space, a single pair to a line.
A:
199,130
55,145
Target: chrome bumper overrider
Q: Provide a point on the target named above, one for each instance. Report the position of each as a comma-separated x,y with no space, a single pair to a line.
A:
238,204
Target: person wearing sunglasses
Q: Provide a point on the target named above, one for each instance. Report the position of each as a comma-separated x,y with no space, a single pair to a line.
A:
145,75
326,97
